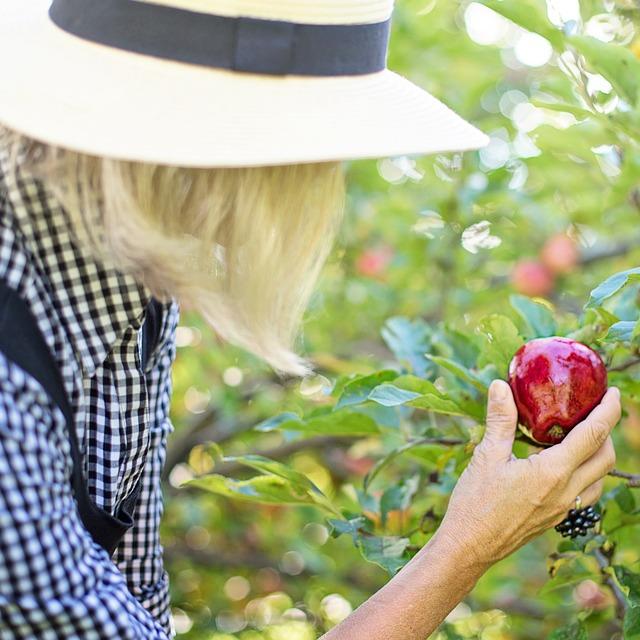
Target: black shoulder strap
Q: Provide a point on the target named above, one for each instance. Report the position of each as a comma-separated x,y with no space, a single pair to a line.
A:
23,343
151,330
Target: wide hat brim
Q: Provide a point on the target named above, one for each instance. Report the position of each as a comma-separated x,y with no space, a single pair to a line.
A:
63,90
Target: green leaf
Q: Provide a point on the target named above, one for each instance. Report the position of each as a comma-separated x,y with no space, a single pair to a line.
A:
450,633
577,140
537,317
261,489
387,552
275,423
616,517
625,305
631,626
624,498
461,372
298,480
457,346
415,384
579,112
357,390
398,497
502,342
389,395
409,341
368,502
343,422
438,404
431,398
530,15
392,455
575,631
291,485
351,527
622,331
604,316
616,63
631,581
566,571
611,286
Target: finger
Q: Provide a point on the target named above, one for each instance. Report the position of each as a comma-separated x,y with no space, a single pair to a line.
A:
584,440
589,496
502,420
596,467
592,494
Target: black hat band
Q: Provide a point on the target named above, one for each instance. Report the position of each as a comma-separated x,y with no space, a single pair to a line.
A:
251,45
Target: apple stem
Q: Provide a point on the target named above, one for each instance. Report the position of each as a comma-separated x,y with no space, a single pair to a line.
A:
633,480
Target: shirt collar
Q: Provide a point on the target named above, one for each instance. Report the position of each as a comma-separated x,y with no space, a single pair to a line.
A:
96,304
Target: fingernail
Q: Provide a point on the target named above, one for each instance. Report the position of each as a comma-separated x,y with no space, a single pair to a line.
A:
498,391
616,391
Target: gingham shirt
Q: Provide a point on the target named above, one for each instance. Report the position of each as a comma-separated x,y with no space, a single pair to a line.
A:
55,582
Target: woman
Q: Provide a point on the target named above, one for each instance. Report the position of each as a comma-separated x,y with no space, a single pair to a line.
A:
187,151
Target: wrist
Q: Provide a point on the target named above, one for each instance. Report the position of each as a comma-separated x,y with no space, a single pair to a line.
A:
463,559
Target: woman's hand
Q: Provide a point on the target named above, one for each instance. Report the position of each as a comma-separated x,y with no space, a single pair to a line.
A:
501,502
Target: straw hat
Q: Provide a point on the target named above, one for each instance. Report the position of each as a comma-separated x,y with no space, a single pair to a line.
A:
216,83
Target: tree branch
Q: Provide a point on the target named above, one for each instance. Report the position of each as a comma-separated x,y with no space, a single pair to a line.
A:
209,427
633,480
605,253
589,257
626,365
604,562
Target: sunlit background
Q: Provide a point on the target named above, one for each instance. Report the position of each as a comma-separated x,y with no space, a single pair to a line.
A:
444,239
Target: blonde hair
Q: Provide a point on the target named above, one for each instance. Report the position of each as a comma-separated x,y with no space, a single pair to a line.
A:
244,247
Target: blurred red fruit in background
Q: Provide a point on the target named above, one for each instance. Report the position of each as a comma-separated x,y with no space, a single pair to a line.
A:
372,263
589,595
358,466
560,254
268,580
532,278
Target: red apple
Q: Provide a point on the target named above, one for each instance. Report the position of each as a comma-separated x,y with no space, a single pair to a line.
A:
560,254
556,383
531,278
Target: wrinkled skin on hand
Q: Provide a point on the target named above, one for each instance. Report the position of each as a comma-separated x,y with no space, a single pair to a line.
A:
500,502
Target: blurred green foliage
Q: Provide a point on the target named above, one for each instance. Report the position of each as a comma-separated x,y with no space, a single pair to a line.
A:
419,308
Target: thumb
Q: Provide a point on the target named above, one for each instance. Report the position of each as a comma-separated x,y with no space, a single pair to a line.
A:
502,420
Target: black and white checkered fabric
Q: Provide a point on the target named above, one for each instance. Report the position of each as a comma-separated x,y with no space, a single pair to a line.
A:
55,582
